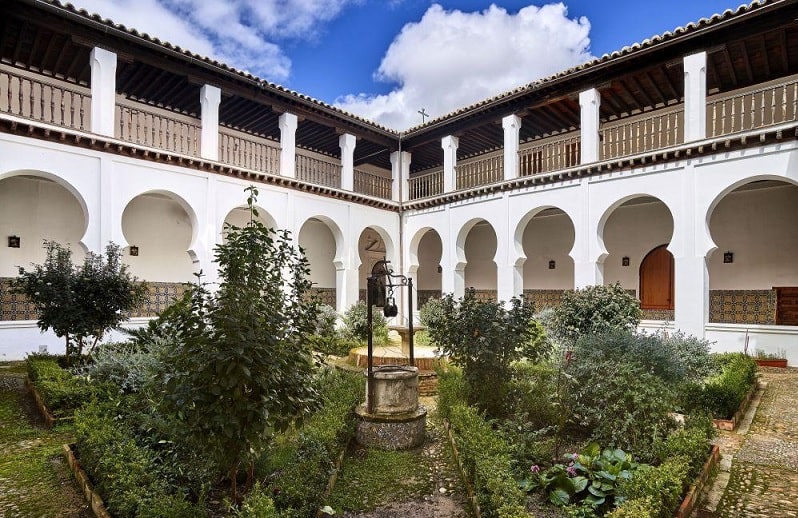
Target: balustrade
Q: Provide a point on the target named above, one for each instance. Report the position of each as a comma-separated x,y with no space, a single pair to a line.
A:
249,151
481,170
140,124
317,170
49,101
426,185
551,154
752,109
372,184
640,134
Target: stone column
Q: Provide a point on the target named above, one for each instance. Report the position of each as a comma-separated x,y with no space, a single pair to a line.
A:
400,173
210,97
512,130
347,143
589,103
103,91
509,280
449,145
347,287
288,124
588,270
695,97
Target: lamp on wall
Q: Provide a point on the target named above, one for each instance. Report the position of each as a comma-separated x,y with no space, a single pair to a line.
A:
728,257
134,250
13,241
552,264
440,269
625,261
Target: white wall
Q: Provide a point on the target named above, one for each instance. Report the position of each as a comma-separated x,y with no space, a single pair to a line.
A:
162,230
760,226
634,230
549,236
480,249
429,258
319,245
36,209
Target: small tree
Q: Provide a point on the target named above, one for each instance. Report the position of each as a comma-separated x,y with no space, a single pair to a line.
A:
483,338
595,310
83,303
243,368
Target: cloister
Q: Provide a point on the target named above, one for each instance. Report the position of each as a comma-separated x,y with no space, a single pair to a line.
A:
670,166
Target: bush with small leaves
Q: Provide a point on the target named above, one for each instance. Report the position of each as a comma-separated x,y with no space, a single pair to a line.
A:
661,486
595,310
356,325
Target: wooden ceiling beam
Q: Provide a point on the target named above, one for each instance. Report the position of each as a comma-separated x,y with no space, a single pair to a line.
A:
18,47
642,91
655,88
747,62
733,73
765,60
46,57
62,52
785,56
73,65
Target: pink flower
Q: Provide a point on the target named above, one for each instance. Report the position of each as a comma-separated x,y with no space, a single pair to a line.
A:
535,468
571,471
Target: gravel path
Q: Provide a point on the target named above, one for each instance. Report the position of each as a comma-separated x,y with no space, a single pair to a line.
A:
762,464
34,478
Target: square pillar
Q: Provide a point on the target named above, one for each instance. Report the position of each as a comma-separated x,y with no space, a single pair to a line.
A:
400,173
103,91
449,145
347,288
510,281
210,97
695,97
288,124
512,130
691,294
589,104
347,143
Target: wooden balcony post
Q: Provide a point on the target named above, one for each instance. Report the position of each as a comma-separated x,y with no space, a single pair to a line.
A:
288,125
589,103
512,130
695,97
210,97
347,143
400,173
103,91
449,145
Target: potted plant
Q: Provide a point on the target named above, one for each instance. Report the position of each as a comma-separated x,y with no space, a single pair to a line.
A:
769,359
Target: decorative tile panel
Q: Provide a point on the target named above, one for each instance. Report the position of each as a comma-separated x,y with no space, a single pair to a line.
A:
425,295
160,296
14,306
742,306
324,295
544,298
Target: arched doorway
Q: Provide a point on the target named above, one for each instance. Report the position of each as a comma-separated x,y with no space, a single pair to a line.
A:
656,279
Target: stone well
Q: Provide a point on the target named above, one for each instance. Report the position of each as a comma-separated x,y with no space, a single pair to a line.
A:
397,421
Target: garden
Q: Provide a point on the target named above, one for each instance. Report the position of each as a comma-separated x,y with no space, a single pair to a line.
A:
229,403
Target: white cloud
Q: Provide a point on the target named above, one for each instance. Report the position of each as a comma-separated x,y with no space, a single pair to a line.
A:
451,59
240,33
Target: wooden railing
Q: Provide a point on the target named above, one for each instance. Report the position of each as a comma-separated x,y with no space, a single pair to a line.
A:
153,127
425,185
49,101
748,110
481,170
372,184
317,170
249,151
642,133
551,154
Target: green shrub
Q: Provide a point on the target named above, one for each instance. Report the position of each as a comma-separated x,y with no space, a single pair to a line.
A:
62,391
336,344
356,324
452,390
595,310
484,338
326,320
689,443
621,405
637,508
722,394
691,353
123,472
128,365
258,504
661,486
298,486
486,460
431,313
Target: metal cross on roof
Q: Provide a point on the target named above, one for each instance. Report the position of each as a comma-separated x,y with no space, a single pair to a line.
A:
424,115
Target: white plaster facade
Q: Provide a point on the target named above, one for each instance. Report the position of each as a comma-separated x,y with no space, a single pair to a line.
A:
570,230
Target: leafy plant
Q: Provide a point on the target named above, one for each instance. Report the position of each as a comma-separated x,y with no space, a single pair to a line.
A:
243,368
660,487
722,394
595,310
80,303
357,327
484,338
591,476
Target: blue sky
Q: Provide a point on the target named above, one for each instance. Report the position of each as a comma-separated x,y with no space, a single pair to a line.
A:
385,59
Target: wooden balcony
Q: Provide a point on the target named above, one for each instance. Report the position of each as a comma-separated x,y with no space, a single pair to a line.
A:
44,99
157,128
317,169
549,154
481,170
642,133
425,185
372,184
249,151
750,109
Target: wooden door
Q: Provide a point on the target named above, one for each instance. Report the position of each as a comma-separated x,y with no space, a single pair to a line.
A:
656,279
787,306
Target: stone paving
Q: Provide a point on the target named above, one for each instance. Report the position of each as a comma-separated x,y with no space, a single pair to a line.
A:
761,461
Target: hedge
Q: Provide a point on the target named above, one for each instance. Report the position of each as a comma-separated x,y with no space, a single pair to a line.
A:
722,394
62,391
